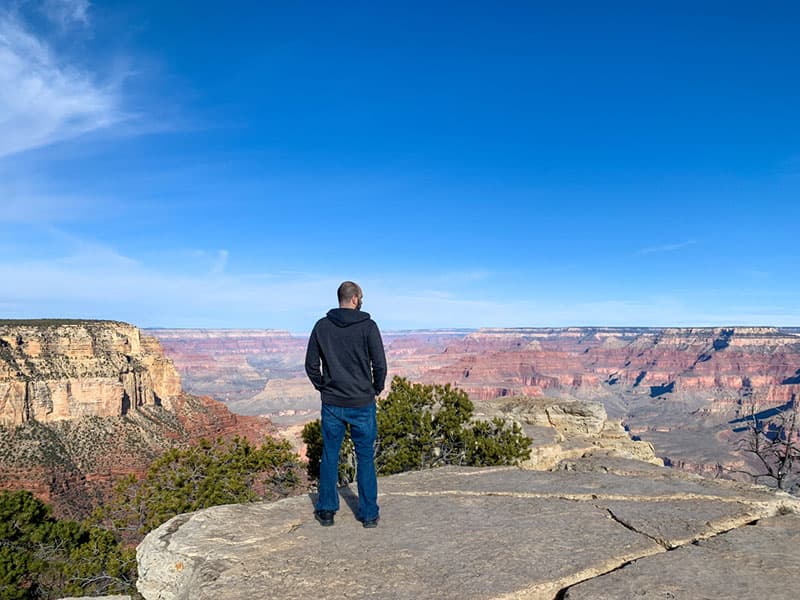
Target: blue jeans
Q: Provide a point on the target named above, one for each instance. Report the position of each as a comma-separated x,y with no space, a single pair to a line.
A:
364,432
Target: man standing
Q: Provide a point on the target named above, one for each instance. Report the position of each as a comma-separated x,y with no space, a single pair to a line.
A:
348,344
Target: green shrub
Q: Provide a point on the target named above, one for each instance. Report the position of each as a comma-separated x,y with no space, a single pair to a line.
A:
44,557
203,475
425,426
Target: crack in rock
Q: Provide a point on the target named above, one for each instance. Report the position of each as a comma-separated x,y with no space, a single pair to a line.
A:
588,497
660,542
667,548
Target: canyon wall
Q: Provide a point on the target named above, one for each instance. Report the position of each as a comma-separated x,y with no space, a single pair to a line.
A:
83,403
718,363
56,370
680,389
712,368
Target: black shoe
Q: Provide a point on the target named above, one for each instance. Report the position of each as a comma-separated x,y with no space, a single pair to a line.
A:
371,523
325,517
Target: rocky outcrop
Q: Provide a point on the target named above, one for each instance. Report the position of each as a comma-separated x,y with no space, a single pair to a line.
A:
563,429
83,403
604,524
57,370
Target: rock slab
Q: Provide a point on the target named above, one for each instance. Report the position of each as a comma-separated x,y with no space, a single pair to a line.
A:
751,562
456,533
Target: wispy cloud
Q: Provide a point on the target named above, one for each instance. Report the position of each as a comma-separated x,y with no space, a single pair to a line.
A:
41,209
67,13
220,262
43,98
71,276
80,277
667,247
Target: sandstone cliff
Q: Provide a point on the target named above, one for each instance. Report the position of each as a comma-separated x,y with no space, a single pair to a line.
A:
85,402
598,528
56,370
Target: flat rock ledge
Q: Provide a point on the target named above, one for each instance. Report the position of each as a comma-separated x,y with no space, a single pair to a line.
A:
117,597
596,528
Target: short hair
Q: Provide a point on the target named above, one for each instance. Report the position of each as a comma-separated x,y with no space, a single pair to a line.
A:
347,290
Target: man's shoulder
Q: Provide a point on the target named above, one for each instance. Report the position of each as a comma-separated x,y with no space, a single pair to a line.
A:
321,323
373,325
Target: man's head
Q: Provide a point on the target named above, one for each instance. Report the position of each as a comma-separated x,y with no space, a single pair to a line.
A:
350,295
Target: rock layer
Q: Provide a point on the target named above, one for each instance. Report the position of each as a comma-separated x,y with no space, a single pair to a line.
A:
57,370
85,402
455,533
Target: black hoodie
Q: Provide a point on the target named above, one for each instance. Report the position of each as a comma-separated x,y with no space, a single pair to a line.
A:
348,344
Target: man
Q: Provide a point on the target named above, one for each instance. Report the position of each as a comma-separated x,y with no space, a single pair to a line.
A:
348,344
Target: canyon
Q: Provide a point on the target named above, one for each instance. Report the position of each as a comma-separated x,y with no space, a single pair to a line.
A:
681,389
83,403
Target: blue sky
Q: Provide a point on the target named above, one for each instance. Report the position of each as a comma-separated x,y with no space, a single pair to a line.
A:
469,163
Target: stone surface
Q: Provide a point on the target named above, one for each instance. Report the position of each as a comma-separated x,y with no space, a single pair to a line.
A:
750,562
565,429
455,533
99,598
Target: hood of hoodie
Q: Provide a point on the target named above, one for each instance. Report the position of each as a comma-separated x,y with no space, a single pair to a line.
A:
344,317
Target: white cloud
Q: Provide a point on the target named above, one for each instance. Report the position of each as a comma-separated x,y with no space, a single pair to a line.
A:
67,12
220,262
82,278
43,99
74,277
41,209
667,247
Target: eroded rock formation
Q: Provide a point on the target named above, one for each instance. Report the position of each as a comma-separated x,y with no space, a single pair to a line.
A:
84,402
564,429
56,370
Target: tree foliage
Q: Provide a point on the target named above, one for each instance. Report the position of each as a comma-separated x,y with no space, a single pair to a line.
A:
425,426
44,557
204,475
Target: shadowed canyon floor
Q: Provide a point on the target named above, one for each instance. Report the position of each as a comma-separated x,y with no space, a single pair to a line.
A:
595,528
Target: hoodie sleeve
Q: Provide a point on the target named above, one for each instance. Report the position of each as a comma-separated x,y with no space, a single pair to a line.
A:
378,358
313,359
